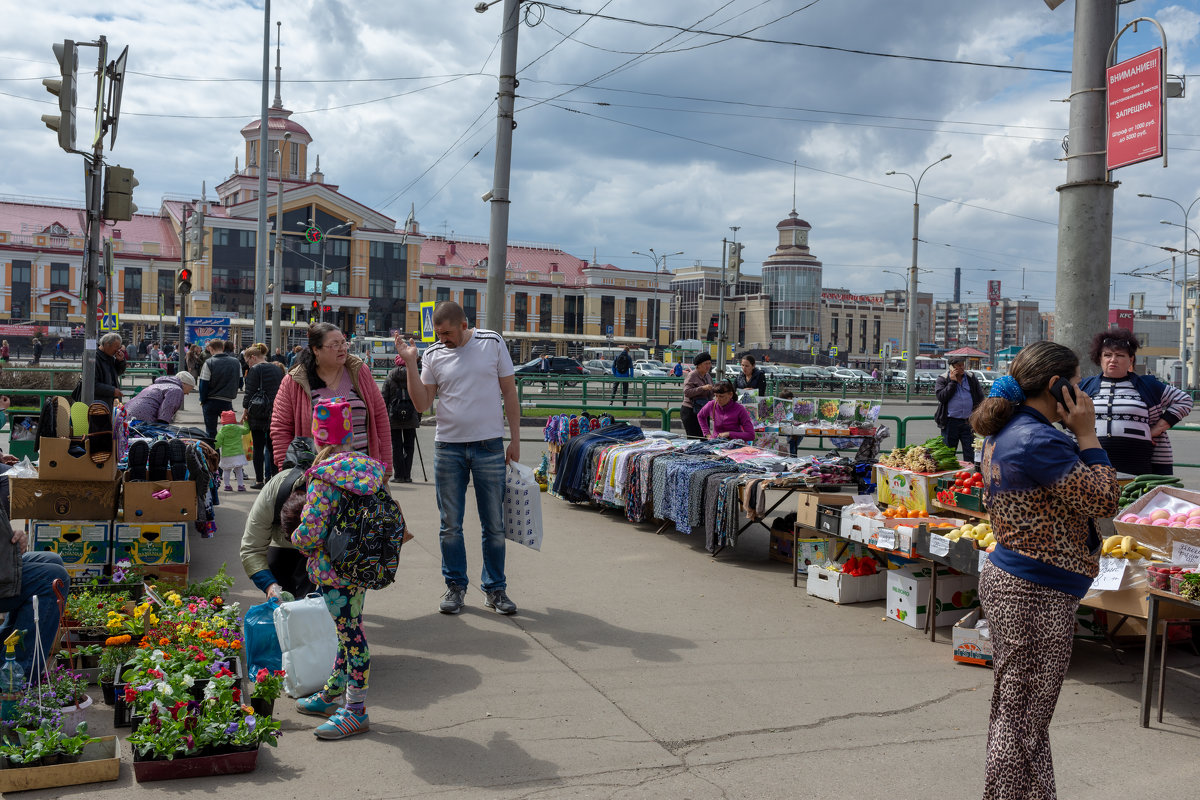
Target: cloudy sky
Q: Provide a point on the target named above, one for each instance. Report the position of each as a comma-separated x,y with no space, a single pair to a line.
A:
633,134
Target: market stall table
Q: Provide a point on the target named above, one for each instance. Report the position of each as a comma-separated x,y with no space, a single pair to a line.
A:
1155,598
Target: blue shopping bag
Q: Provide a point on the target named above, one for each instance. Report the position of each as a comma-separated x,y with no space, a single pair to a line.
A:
261,641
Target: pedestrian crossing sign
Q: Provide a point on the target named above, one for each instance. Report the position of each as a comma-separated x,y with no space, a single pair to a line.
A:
109,322
427,334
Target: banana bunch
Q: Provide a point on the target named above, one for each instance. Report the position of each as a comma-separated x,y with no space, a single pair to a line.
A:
1119,546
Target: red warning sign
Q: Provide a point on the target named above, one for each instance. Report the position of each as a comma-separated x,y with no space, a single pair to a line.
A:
1135,109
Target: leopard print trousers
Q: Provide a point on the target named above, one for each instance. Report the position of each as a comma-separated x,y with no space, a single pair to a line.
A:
1032,628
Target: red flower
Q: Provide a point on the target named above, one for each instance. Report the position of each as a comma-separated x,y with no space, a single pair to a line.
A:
237,695
262,675
130,693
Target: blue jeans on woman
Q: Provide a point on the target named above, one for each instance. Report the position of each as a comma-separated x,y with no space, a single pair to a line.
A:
482,463
38,573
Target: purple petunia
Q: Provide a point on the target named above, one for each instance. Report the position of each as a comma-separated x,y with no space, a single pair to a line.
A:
145,688
217,666
250,723
231,729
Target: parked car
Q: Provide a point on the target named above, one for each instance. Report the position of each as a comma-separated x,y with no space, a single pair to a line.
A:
598,366
559,365
850,375
986,377
927,377
644,370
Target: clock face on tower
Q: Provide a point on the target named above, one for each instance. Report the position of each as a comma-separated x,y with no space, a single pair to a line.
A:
800,237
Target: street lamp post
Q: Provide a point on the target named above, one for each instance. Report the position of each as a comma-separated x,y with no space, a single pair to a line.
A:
657,259
1183,301
1195,304
913,341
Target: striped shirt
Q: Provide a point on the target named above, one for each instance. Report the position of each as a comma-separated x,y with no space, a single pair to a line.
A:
1123,425
358,409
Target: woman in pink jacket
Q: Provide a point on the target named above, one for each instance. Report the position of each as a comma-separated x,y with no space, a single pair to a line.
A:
326,370
724,418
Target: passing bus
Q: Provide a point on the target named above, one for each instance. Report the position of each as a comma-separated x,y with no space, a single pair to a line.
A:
923,362
377,351
610,353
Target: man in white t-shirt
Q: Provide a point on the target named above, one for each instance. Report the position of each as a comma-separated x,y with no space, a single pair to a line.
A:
471,373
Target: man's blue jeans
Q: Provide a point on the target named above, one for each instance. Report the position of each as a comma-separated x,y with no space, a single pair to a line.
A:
212,409
38,572
454,464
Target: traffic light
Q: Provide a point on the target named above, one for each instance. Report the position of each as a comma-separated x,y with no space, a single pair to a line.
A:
185,280
195,236
65,89
316,306
735,255
713,329
118,193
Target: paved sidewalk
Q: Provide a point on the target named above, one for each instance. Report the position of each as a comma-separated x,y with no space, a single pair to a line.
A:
640,667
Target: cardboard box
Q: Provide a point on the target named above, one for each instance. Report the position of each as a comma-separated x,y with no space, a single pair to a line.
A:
101,761
970,646
173,575
899,487
780,546
41,498
908,596
85,572
1158,538
806,511
857,528
151,543
141,506
839,551
842,588
57,463
77,543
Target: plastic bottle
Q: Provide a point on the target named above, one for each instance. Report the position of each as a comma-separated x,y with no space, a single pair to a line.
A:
12,679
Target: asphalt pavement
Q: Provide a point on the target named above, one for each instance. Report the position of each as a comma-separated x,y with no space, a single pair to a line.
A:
641,667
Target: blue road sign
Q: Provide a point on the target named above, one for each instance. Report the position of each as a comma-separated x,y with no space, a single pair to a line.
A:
609,331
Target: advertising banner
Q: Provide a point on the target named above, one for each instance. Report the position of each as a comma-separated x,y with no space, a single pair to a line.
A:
1135,109
202,330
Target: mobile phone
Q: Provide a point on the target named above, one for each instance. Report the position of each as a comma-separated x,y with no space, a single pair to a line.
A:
1061,387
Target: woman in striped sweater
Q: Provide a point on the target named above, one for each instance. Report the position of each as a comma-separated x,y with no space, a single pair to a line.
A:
1133,412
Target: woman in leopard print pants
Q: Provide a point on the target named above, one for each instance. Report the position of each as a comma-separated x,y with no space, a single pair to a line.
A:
1042,490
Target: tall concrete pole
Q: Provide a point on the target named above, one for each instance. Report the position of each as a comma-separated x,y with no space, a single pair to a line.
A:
95,203
721,314
1086,200
505,100
260,250
276,296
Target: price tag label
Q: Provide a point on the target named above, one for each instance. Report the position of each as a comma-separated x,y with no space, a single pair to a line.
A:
1111,572
938,545
886,539
983,559
1184,553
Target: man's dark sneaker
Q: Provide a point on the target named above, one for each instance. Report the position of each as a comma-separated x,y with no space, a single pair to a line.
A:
499,602
452,600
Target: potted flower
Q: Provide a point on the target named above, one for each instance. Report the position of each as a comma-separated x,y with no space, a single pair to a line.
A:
266,689
215,735
47,744
60,699
117,650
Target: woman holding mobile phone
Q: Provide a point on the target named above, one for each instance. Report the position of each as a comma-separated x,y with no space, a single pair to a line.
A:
1042,489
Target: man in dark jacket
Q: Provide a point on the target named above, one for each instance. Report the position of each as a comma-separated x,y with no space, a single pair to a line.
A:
958,393
220,380
622,368
108,370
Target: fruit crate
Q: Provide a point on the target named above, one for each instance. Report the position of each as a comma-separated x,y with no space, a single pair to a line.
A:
971,501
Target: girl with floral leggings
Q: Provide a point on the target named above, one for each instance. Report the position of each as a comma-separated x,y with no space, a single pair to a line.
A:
335,471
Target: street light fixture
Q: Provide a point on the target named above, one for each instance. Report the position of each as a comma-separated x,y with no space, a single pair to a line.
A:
1183,300
657,259
913,341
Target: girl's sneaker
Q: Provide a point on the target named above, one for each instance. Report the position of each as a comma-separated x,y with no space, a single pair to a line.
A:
318,705
342,724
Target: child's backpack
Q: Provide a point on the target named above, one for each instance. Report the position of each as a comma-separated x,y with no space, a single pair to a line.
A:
364,538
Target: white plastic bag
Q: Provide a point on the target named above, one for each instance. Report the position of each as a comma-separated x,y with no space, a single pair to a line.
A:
522,506
308,641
